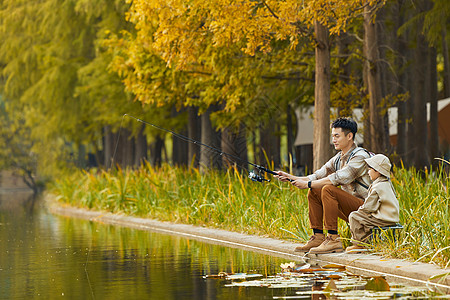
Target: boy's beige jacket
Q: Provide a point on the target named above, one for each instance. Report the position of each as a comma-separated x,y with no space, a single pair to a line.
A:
381,202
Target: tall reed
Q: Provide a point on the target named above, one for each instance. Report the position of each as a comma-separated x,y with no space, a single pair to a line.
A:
232,202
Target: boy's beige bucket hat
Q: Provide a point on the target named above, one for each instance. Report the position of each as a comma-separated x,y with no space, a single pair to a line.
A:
380,163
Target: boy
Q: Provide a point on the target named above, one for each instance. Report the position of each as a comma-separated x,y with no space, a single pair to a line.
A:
381,206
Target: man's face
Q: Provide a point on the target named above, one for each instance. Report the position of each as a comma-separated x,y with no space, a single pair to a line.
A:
340,140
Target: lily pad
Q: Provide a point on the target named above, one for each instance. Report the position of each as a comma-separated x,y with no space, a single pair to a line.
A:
242,276
330,287
334,266
377,284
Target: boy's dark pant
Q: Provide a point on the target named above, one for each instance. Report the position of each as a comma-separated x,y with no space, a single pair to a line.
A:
329,203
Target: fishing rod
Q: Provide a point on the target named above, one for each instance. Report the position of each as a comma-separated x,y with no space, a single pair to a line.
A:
252,175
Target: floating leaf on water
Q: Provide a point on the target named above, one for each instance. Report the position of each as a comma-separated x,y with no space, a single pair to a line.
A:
291,297
251,283
350,284
330,287
242,276
363,294
308,270
220,275
289,286
298,274
334,266
377,284
334,276
303,267
308,292
330,274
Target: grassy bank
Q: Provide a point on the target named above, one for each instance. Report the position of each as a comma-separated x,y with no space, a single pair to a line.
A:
232,202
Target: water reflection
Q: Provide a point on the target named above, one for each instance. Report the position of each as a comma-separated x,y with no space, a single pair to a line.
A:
45,256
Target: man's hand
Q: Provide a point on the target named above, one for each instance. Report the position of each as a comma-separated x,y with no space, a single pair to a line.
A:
282,176
300,183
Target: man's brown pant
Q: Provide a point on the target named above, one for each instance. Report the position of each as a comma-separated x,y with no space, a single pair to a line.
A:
329,203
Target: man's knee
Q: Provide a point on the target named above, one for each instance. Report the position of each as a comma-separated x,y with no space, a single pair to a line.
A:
328,189
314,194
318,194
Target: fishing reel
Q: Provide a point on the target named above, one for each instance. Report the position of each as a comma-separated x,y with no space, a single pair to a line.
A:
256,177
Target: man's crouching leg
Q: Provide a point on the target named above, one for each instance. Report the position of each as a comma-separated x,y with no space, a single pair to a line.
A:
316,221
336,203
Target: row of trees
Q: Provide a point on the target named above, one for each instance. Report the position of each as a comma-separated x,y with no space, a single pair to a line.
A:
219,71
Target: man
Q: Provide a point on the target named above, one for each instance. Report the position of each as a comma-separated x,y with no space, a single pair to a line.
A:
326,201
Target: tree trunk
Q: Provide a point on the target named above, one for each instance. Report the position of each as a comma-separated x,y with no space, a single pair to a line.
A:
119,148
81,158
376,128
194,132
446,63
401,47
209,158
180,150
434,134
384,42
269,140
108,147
234,143
410,108
290,133
157,149
321,143
129,149
343,42
179,146
420,93
367,140
141,148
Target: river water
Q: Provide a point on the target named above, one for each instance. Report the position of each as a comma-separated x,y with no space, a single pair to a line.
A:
44,256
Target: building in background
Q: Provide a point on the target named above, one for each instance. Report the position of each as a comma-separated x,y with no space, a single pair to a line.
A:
304,139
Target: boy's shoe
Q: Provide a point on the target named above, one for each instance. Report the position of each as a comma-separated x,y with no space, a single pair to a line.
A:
331,244
355,249
314,241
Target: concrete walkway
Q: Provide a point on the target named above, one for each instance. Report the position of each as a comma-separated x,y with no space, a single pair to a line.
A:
394,270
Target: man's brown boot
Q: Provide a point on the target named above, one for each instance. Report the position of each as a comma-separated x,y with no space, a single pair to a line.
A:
314,241
331,244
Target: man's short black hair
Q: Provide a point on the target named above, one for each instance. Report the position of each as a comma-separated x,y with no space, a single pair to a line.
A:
346,124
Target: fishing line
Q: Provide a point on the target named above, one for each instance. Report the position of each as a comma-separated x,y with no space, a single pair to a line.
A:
117,142
85,268
252,175
86,271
